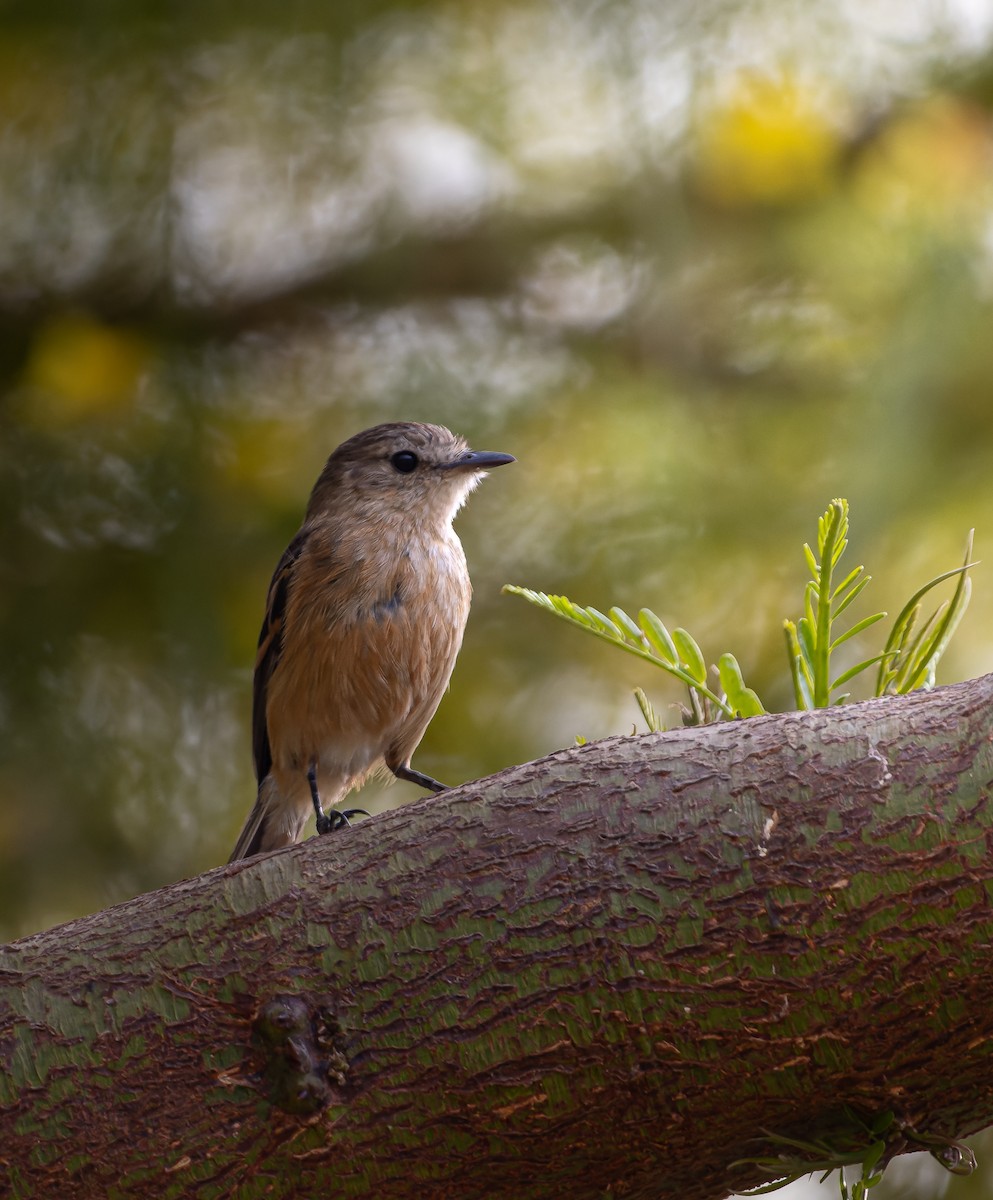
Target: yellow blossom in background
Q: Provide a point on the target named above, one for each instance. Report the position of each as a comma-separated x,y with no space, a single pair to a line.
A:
79,367
769,143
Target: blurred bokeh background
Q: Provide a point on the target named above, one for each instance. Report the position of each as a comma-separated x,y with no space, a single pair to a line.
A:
700,265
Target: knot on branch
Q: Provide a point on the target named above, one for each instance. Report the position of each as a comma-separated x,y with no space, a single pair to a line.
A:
303,1062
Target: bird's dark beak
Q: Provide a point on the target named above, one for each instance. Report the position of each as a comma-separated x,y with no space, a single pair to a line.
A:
479,460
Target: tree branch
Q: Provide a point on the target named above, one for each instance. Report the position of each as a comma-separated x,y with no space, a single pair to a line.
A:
606,972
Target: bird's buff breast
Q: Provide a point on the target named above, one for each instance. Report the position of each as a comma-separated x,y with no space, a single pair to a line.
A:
364,667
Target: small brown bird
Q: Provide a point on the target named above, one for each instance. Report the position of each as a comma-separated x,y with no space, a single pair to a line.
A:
363,622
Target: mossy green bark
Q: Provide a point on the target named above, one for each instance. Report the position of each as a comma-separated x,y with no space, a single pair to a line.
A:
603,973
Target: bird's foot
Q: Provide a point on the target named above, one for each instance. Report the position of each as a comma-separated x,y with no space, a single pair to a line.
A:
330,822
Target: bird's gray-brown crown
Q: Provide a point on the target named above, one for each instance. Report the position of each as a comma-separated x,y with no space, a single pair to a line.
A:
419,464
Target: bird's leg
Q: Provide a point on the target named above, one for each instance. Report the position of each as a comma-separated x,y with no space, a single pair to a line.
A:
324,824
328,822
424,781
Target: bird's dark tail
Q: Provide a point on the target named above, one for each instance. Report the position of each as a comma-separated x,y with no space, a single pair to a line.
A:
273,823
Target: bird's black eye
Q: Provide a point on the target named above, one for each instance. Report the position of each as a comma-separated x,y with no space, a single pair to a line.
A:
405,461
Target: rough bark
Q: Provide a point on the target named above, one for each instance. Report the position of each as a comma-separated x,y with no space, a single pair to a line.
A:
601,974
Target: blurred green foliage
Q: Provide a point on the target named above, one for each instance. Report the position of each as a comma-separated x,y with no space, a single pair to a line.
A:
698,265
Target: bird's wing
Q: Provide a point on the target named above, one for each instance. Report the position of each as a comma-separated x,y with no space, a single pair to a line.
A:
270,650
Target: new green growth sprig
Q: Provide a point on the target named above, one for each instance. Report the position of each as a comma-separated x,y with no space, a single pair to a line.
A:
811,641
907,661
866,1142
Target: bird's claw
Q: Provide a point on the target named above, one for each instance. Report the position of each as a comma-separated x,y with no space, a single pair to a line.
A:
331,822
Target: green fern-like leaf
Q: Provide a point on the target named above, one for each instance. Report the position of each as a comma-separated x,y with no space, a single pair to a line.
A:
676,653
798,1158
910,661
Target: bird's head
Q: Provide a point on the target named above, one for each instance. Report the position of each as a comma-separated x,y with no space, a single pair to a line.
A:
421,472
